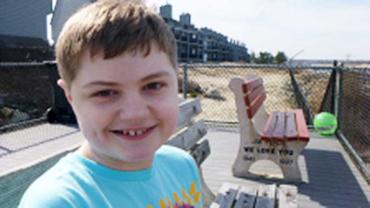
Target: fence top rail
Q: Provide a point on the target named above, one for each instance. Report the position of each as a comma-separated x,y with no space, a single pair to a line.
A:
25,64
357,69
248,65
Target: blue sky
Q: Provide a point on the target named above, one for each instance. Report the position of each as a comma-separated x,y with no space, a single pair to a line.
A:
318,29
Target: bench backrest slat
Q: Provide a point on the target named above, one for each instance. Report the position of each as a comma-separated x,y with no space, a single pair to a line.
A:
201,151
291,129
187,137
251,82
256,104
187,110
301,125
252,95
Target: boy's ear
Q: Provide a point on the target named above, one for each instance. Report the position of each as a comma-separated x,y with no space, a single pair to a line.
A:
62,84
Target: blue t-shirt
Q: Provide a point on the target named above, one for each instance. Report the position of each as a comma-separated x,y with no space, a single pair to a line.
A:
78,182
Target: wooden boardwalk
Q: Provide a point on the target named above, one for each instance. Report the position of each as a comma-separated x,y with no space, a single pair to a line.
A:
330,177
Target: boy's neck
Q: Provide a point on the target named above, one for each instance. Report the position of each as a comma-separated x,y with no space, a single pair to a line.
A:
86,151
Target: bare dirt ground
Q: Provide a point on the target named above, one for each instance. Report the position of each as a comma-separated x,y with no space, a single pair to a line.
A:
277,82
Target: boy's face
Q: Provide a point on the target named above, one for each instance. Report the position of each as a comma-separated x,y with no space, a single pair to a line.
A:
126,107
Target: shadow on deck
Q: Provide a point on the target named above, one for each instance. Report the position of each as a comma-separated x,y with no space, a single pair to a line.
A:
330,177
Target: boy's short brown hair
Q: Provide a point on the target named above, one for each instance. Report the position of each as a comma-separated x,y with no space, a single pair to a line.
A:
110,28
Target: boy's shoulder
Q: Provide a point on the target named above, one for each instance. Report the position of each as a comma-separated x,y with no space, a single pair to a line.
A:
58,184
174,156
171,152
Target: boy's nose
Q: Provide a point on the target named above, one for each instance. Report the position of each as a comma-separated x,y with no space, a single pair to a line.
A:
134,108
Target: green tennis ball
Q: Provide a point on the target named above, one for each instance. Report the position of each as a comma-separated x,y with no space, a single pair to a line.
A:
325,123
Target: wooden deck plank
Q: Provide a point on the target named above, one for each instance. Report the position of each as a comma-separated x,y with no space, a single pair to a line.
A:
330,177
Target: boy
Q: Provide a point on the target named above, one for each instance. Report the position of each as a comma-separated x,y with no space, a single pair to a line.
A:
117,61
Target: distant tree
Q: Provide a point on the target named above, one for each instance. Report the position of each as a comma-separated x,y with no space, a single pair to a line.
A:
253,58
265,58
280,57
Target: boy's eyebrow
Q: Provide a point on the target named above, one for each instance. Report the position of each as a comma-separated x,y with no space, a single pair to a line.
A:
156,75
110,84
105,83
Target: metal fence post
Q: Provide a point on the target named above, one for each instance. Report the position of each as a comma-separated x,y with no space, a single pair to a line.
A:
333,99
338,95
301,98
185,82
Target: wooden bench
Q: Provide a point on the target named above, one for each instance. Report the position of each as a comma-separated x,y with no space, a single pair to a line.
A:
21,166
190,137
261,196
279,136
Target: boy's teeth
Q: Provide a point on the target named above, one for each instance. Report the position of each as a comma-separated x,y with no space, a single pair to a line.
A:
132,133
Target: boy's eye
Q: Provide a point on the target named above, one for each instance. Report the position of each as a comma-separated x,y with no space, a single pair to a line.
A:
105,93
154,86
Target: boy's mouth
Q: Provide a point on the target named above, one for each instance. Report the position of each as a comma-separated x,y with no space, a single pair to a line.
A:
133,134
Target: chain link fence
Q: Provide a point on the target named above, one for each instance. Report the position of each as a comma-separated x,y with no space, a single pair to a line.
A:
354,111
26,93
344,92
210,82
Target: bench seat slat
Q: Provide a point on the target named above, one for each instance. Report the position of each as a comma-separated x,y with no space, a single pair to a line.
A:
282,126
269,127
287,195
291,129
278,134
226,196
266,196
246,197
301,126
